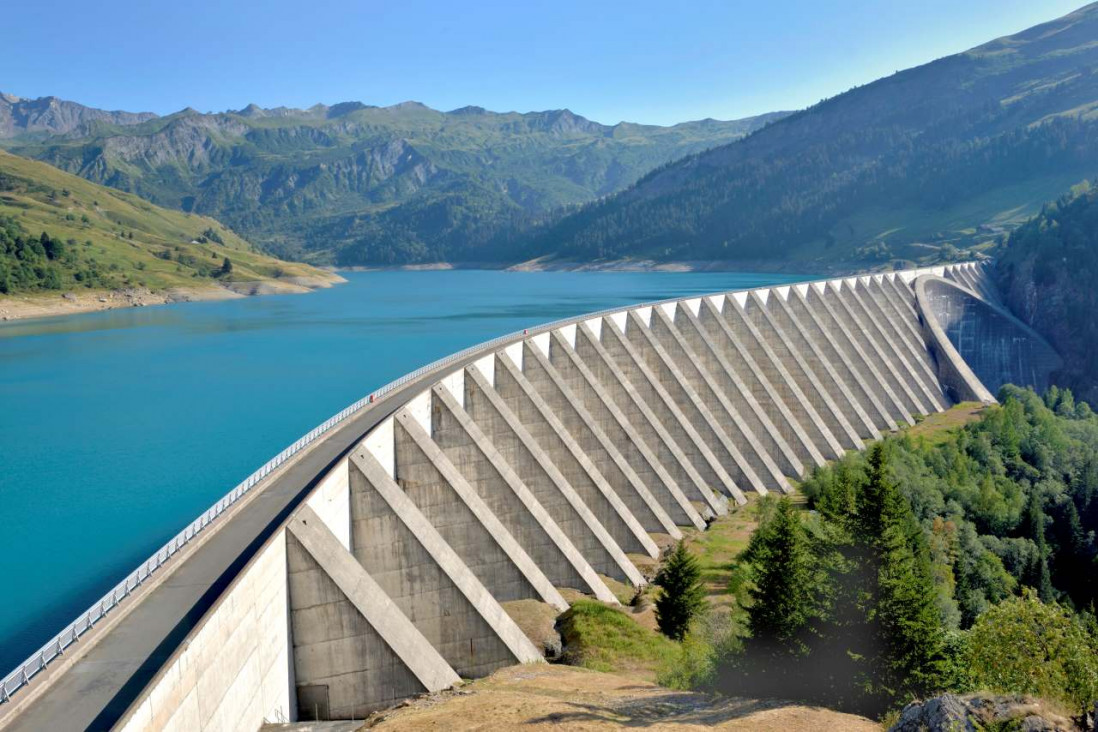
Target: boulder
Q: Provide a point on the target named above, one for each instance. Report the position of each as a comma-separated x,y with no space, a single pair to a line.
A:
945,713
952,713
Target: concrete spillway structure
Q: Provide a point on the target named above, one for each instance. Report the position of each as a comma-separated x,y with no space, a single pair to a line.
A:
388,556
979,345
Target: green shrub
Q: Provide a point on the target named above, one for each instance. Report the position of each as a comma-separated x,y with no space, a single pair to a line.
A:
713,637
604,638
1025,646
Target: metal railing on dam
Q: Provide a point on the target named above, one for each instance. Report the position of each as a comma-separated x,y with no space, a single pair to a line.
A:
561,456
37,661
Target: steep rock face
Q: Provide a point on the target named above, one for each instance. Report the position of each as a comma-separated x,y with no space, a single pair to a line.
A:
191,141
1044,306
53,116
365,184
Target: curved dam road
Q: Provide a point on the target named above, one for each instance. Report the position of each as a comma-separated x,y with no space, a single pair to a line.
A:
384,561
98,689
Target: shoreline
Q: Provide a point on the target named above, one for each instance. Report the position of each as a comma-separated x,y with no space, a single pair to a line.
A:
73,302
635,265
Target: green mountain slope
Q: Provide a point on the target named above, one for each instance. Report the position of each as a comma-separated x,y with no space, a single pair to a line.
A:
61,232
356,184
944,155
1047,271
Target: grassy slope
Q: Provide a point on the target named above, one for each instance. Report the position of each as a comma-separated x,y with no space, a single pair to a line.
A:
937,428
952,152
35,197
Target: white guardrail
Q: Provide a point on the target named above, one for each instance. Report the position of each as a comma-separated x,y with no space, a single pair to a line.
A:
56,646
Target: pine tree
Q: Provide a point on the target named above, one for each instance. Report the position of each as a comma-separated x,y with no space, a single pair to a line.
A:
1037,575
907,611
683,596
837,501
783,595
873,496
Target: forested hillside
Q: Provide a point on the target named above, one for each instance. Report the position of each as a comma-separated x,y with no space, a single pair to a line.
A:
60,232
913,166
960,560
354,184
1047,270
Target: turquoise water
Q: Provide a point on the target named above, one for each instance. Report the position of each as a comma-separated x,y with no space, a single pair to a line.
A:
118,428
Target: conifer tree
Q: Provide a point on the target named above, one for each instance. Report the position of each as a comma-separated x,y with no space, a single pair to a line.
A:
782,597
1038,575
873,496
683,596
907,611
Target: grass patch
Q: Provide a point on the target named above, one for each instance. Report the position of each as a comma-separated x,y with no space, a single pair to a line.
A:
719,546
603,638
937,428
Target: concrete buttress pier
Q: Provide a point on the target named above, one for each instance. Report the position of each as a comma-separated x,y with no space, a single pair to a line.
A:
380,562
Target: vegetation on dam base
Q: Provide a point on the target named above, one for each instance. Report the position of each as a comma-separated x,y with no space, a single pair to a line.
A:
959,555
934,565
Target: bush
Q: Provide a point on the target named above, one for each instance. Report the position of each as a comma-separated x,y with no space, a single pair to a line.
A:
714,637
1025,646
603,638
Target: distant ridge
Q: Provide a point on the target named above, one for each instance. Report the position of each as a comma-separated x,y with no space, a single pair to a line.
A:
357,184
52,116
915,166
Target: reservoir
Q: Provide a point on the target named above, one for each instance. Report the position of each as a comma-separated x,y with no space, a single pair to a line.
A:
118,428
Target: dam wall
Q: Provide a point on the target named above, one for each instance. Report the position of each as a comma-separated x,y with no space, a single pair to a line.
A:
236,667
554,463
992,347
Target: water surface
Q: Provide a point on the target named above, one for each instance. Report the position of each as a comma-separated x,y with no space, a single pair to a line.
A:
118,428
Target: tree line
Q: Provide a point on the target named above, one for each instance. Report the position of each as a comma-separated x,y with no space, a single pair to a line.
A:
967,564
1047,269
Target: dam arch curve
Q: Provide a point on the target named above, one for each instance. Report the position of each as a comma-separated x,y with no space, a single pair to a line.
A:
385,553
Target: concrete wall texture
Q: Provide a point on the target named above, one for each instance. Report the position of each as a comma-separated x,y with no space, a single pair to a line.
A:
558,460
236,668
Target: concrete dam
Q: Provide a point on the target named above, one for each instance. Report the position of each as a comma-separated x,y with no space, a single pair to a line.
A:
383,554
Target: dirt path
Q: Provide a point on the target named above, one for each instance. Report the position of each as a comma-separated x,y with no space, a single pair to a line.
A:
568,698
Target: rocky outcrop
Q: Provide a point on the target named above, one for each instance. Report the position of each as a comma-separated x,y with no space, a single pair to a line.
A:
974,712
53,116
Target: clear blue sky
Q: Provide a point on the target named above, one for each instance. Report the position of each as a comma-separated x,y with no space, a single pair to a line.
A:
643,60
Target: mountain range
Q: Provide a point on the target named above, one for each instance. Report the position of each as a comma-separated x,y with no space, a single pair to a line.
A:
929,164
47,116
914,166
351,183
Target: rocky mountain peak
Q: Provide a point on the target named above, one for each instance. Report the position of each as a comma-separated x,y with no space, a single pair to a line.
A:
408,105
344,108
469,110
